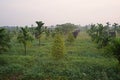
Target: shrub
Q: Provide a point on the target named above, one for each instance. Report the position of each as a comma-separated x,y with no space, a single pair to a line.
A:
58,47
114,48
70,38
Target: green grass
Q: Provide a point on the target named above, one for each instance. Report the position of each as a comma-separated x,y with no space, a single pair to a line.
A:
82,61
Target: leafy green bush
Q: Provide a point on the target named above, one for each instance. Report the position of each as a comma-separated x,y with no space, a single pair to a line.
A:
114,48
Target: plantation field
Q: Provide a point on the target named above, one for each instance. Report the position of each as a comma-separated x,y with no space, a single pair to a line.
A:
82,61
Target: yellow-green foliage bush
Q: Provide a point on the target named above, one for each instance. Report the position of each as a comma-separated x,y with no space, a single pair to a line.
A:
58,48
70,38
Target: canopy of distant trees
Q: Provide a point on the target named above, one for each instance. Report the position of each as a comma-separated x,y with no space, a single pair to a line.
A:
66,28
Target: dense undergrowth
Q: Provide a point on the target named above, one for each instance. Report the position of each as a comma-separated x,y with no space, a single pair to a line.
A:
82,61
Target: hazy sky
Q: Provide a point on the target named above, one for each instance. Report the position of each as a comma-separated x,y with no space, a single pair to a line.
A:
51,12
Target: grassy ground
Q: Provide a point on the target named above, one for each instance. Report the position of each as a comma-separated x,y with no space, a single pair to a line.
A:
82,61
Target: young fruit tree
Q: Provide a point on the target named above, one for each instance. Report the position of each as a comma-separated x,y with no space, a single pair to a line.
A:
58,48
24,37
4,40
39,29
93,32
47,32
100,35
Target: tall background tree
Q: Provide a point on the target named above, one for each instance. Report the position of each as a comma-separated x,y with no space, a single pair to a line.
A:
24,37
39,30
4,40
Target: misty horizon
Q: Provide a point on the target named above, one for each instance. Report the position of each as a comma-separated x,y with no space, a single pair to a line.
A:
79,12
